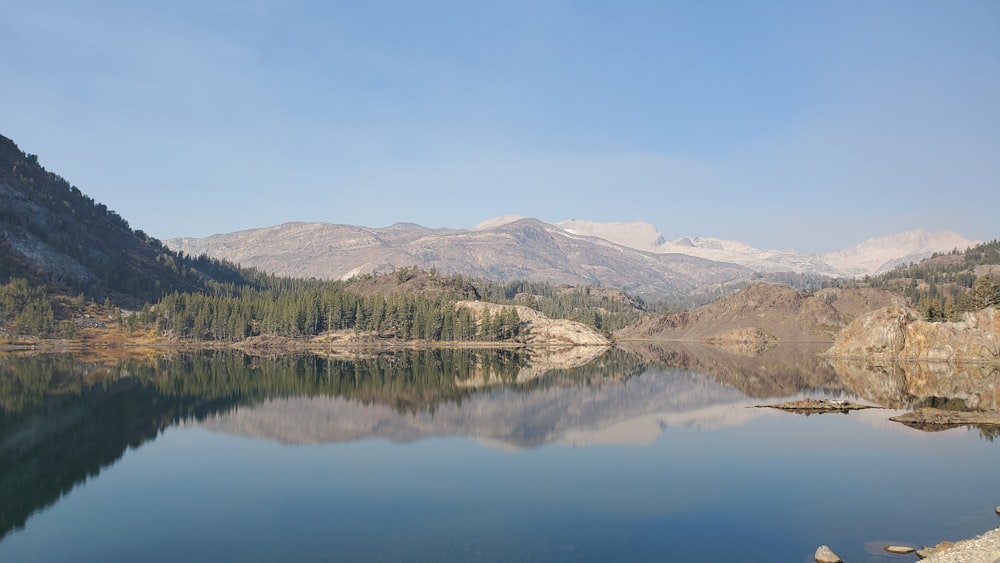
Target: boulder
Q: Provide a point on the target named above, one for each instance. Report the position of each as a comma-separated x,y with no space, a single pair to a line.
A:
826,555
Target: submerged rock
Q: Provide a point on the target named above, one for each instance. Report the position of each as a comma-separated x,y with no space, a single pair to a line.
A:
810,406
930,417
899,549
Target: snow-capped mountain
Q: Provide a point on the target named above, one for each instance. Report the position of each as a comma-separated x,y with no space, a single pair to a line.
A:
881,254
630,256
869,257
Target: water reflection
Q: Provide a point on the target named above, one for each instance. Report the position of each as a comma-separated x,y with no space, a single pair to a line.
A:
787,370
781,371
574,410
63,420
907,385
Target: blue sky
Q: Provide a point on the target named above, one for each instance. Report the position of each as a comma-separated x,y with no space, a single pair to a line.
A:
806,125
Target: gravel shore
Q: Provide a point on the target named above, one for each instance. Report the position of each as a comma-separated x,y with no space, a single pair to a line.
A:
980,549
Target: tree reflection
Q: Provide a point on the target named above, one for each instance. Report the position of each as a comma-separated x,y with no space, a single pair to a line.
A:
63,420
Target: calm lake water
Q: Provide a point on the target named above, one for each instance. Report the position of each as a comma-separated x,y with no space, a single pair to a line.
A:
641,455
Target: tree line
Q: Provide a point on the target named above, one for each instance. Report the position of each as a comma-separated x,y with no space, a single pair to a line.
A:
313,308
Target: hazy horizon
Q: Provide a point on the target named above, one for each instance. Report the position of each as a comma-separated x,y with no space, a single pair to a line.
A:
778,124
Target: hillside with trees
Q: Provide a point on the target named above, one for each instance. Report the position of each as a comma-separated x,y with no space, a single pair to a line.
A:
53,235
70,263
946,286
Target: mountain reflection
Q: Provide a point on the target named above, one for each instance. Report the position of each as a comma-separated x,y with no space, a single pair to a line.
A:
63,420
574,410
782,371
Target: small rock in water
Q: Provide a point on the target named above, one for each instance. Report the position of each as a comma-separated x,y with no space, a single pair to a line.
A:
997,510
826,555
900,549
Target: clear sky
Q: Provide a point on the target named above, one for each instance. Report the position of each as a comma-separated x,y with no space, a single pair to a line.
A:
806,125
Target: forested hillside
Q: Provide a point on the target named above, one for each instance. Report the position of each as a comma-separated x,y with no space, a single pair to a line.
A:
409,304
946,286
52,234
68,262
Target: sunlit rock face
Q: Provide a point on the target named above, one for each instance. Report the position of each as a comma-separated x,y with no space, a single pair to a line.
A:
540,329
895,333
878,335
892,358
977,336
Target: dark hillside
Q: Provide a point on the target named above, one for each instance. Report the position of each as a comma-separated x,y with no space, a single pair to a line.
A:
54,235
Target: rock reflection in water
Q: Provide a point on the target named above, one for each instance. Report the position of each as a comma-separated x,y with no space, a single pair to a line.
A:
782,371
907,385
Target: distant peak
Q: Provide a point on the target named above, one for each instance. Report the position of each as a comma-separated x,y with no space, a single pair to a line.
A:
637,234
499,221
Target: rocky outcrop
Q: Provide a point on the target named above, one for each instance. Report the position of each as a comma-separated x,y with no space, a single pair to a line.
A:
930,418
826,555
894,333
816,406
540,329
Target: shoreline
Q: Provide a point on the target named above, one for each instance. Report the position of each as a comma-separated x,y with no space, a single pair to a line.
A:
984,548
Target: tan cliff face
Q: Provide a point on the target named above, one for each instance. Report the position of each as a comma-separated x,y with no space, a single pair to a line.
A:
895,333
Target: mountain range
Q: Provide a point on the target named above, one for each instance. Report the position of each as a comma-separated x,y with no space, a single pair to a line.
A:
53,234
630,256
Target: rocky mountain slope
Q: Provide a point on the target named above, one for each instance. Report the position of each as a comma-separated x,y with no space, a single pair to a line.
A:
54,235
520,249
630,256
762,313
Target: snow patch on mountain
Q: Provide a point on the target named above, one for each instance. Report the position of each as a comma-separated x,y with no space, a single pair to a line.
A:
881,254
645,237
499,221
870,257
637,235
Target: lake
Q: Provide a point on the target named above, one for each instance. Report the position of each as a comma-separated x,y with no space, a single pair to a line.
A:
644,454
